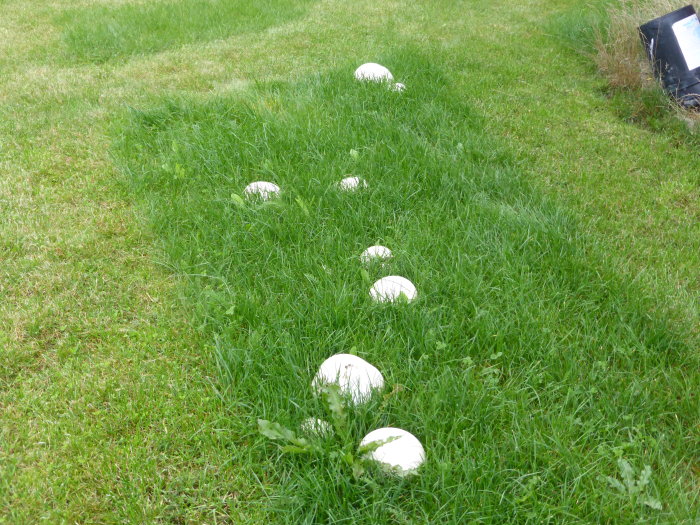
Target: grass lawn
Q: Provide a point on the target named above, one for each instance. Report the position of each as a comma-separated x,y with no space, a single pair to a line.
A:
150,315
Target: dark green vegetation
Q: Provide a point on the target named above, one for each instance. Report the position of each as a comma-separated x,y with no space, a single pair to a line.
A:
527,367
101,32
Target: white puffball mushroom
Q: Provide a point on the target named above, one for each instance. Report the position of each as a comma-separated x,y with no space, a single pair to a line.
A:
373,72
375,253
315,426
261,189
392,288
352,183
355,376
399,87
401,455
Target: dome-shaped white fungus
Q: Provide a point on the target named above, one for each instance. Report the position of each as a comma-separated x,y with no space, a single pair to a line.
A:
352,183
315,426
355,376
375,253
373,72
261,189
390,289
403,454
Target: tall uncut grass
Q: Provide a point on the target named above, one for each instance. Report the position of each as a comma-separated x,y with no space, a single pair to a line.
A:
621,59
102,32
533,375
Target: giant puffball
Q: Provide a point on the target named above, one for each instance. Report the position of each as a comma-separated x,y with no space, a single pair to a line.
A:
373,72
402,452
355,376
352,183
375,253
312,426
261,189
392,288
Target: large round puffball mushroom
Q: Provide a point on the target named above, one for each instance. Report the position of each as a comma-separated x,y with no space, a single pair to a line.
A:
352,183
375,253
355,376
401,452
261,189
373,72
392,288
315,427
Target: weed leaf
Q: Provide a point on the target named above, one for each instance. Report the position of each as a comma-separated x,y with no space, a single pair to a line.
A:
303,206
627,474
374,445
295,449
653,503
275,430
336,406
238,200
616,484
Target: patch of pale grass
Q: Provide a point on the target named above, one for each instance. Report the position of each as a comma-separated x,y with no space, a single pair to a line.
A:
100,33
294,48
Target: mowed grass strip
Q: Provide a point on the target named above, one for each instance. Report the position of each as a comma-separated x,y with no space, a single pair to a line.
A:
102,32
532,373
104,394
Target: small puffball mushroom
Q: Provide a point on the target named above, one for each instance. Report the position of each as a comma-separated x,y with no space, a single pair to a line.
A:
390,289
352,183
355,376
373,72
315,426
401,455
375,253
263,190
398,87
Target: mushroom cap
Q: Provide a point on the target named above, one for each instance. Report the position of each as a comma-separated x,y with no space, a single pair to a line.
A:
375,252
403,455
373,72
355,376
391,288
352,183
316,427
262,189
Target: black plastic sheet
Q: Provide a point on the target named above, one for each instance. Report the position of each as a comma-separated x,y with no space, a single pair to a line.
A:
672,43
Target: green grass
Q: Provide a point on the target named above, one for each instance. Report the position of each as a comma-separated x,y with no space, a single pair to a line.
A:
102,32
104,396
527,367
109,412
